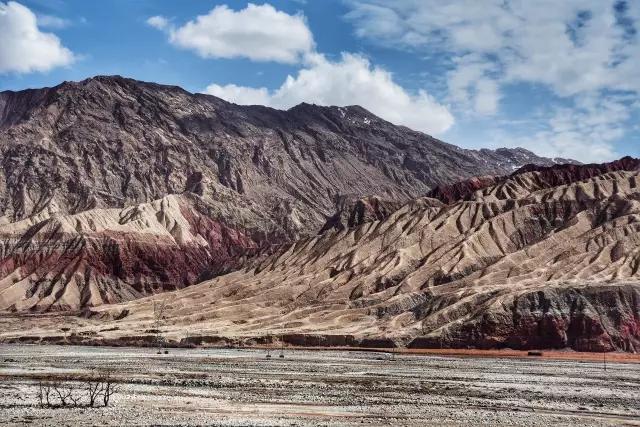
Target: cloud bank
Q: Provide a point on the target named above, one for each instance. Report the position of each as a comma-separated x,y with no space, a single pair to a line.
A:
575,49
262,33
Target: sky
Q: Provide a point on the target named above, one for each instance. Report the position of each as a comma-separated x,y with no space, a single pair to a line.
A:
559,78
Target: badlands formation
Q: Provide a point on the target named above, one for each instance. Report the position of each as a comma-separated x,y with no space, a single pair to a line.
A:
136,213
112,189
543,258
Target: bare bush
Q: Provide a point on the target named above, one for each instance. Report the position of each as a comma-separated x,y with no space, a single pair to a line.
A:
65,393
74,397
94,390
44,393
109,388
59,393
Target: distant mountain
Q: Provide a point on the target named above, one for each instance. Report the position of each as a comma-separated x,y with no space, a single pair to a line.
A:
92,172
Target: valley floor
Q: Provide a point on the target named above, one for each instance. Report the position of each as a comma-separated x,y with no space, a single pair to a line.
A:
243,387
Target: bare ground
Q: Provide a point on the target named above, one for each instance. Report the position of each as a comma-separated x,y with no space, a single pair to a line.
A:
243,387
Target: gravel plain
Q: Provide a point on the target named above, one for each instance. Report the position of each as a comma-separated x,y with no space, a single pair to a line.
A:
319,388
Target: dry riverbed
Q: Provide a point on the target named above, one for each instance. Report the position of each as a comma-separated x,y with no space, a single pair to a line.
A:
243,387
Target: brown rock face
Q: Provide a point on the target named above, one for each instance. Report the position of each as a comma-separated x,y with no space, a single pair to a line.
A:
82,154
463,190
592,318
546,267
112,190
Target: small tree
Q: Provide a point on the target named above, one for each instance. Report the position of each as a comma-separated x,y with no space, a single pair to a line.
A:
109,388
94,389
64,393
74,398
44,393
71,393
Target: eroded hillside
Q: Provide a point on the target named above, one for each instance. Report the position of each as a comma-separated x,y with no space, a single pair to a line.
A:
517,264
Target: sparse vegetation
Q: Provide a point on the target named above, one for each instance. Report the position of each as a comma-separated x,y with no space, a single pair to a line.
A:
94,389
59,393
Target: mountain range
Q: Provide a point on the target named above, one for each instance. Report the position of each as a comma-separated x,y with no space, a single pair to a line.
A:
315,226
112,189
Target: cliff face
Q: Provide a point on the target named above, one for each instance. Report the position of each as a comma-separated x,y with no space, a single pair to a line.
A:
524,264
91,152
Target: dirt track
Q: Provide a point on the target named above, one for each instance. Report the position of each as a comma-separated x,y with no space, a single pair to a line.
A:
242,387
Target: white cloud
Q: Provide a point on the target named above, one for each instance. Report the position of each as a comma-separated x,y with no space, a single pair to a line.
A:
584,131
24,48
576,49
240,94
469,25
349,81
572,46
158,22
471,86
260,33
487,97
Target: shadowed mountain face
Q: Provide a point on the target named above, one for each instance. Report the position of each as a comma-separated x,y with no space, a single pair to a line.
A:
111,188
541,259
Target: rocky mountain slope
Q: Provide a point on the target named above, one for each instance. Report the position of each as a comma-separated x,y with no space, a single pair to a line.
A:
530,262
111,188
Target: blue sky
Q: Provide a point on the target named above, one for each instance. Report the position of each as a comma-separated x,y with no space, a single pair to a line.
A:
558,78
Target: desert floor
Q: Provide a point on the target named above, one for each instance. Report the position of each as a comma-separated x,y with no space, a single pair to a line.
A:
243,387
